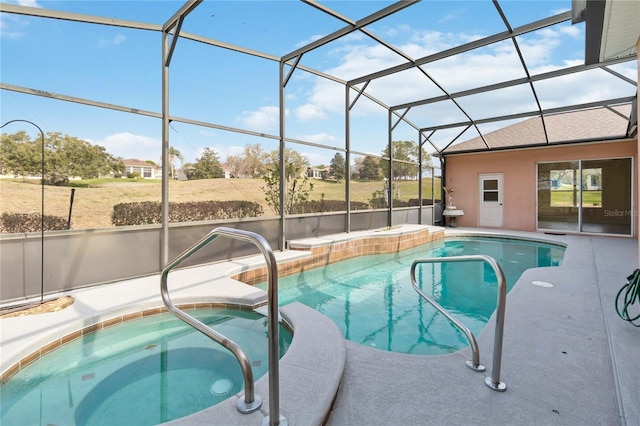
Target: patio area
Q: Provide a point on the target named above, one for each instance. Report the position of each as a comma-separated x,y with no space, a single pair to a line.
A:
567,358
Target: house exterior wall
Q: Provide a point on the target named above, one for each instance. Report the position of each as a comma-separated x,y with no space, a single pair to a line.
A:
518,168
146,172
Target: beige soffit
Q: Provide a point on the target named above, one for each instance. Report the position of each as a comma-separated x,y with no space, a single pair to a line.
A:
620,29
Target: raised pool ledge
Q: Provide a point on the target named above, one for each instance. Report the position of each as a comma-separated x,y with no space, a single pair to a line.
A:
320,251
310,375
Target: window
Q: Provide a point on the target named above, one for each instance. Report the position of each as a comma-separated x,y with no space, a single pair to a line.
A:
490,190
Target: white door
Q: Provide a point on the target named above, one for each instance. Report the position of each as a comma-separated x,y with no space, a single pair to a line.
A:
490,199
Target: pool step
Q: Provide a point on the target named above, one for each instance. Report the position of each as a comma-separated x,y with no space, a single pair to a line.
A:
310,375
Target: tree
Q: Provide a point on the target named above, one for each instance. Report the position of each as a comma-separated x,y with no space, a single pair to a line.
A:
251,163
296,190
71,156
404,154
337,167
255,159
237,166
65,156
370,169
174,154
207,166
19,156
295,163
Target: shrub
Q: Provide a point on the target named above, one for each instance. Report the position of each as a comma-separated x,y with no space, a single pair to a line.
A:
317,206
381,203
13,223
56,179
149,212
415,202
140,213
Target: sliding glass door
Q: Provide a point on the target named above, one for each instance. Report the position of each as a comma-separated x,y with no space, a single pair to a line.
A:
558,196
606,196
592,196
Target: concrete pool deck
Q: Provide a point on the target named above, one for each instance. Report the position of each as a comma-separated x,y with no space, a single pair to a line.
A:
567,357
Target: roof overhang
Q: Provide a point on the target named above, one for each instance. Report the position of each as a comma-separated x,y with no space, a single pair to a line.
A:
612,28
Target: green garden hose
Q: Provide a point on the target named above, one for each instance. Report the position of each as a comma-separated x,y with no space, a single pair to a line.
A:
631,292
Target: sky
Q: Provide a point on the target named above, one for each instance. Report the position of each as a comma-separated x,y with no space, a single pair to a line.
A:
122,66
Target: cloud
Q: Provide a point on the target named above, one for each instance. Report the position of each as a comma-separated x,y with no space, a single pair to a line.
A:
12,26
311,111
264,119
447,18
572,31
309,40
316,158
113,41
225,151
323,138
487,65
128,145
545,50
29,3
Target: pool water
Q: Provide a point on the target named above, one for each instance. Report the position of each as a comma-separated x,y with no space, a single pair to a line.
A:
140,372
372,301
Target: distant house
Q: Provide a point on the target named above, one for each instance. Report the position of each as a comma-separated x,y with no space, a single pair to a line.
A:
144,169
316,172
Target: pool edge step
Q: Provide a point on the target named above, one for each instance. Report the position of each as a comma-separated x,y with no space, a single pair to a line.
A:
310,375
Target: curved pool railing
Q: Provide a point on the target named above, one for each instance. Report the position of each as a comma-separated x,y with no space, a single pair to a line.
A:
494,381
251,402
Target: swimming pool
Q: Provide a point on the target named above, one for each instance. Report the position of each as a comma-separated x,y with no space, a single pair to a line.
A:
372,301
140,372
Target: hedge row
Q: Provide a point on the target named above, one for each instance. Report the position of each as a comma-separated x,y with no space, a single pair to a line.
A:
14,223
149,212
381,203
318,206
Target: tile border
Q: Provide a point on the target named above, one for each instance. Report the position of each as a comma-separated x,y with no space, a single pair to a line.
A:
325,251
55,344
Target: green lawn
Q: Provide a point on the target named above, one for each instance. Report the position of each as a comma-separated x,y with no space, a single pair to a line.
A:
565,198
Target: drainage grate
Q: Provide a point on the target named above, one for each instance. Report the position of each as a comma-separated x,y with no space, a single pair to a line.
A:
221,387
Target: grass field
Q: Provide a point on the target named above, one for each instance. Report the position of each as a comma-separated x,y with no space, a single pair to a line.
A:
562,198
94,199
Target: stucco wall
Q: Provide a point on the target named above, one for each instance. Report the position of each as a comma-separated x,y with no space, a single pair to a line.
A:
519,177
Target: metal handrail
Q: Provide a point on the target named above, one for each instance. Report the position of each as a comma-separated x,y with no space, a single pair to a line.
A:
251,401
494,381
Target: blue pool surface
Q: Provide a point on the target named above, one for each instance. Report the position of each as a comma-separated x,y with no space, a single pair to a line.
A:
372,301
140,372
